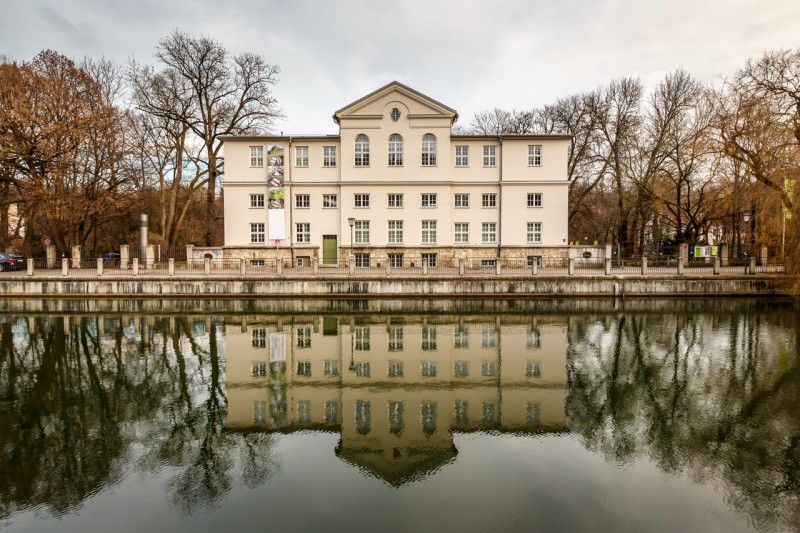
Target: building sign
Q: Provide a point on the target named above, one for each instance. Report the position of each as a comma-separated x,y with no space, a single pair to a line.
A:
276,208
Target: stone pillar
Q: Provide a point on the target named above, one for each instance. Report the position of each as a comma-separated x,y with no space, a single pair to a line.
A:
279,266
644,266
723,254
608,266
76,256
207,266
351,267
763,255
461,266
51,256
189,256
388,267
716,266
571,267
242,267
171,266
64,266
424,268
680,266
315,266
683,251
752,266
535,267
29,266
99,266
124,256
150,257
135,266
609,252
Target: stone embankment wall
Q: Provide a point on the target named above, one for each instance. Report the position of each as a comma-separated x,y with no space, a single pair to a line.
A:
382,287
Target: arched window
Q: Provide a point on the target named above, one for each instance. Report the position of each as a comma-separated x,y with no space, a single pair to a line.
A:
395,150
428,150
362,151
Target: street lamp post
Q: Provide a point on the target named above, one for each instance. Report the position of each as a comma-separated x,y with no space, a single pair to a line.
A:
786,215
352,222
746,217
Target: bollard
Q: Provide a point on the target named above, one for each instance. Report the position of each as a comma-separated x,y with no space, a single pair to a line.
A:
535,267
752,266
29,265
135,266
716,266
680,266
461,266
99,266
608,266
497,266
171,266
242,267
571,267
644,266
207,266
64,266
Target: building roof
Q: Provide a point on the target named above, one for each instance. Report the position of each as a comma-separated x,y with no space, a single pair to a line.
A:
396,85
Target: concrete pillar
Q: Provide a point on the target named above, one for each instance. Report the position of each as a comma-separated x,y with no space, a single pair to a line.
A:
497,266
64,266
29,265
680,266
242,267
171,266
683,250
315,266
535,267
351,266
424,268
388,267
150,257
279,266
76,256
723,254
124,256
644,266
716,266
135,266
609,252
189,256
207,266
51,256
608,266
763,255
461,266
752,266
571,267
99,266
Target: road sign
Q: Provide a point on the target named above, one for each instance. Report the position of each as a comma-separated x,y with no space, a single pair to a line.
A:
47,242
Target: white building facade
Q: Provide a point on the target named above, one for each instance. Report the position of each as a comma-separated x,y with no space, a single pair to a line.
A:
395,186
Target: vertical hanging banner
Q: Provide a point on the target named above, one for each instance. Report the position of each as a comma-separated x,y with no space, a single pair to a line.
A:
276,213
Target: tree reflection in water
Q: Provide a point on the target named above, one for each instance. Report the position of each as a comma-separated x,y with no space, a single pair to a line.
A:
713,396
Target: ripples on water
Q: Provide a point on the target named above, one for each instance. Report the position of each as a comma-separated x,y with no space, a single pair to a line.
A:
463,416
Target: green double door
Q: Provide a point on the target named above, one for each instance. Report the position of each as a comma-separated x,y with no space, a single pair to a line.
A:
329,249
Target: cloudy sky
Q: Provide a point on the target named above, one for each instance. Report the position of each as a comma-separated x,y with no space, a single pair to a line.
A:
471,55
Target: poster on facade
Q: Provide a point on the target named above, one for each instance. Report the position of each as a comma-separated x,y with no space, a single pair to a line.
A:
277,347
276,214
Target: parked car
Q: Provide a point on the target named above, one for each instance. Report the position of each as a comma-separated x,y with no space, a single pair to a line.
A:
11,262
111,259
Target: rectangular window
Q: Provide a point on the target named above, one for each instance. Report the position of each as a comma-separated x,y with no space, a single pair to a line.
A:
396,339
257,233
489,200
361,338
395,232
534,199
534,155
533,369
256,156
461,338
489,232
462,232
362,369
304,411
332,412
395,369
430,259
537,258
328,156
331,367
303,233
533,338
330,201
362,260
396,260
304,368
461,200
301,156
395,200
259,338
488,263
361,235
304,337
259,368
488,337
428,369
429,200
302,201
460,369
488,368
462,156
490,156
534,232
429,232
361,200
257,201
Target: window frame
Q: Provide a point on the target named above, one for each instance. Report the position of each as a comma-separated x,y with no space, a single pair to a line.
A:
461,237
429,145
257,201
534,155
489,200
394,150
462,159
489,232
397,197
329,157
489,155
302,201
302,232
394,234
255,231
463,196
534,230
361,232
429,233
429,198
361,198
326,198
534,198
256,157
361,150
301,156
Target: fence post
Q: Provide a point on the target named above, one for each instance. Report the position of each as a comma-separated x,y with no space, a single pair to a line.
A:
424,268
723,254
351,266
571,267
51,256
680,266
76,256
461,266
644,266
150,257
99,266
716,265
135,266
535,267
242,266
315,266
497,266
29,265
64,266
388,266
124,256
752,266
278,266
207,266
608,266
171,266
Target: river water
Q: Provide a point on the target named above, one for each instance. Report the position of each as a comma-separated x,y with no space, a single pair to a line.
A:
643,415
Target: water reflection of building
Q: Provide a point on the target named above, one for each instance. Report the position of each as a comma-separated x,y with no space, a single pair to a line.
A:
397,388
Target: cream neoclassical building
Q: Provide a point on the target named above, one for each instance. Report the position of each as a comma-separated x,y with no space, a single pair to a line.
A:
396,186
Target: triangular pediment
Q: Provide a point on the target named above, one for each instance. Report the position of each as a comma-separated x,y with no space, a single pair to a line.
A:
395,91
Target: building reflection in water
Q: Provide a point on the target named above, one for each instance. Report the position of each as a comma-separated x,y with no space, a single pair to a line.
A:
396,389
